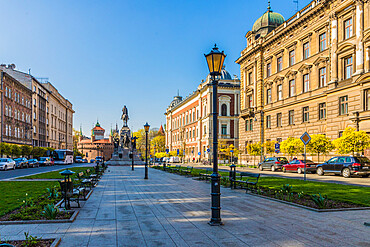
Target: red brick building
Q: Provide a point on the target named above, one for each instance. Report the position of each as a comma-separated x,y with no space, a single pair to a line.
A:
16,111
189,120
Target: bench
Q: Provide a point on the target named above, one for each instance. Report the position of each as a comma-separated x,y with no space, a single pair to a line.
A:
177,168
72,193
207,174
85,183
252,179
187,170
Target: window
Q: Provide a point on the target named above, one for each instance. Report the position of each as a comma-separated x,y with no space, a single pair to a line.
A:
322,111
322,75
367,100
348,28
291,58
306,50
268,122
280,92
250,78
205,130
223,129
248,101
343,105
291,88
306,114
278,120
269,99
306,83
6,110
223,110
10,111
268,70
348,67
247,125
322,41
279,64
251,124
291,117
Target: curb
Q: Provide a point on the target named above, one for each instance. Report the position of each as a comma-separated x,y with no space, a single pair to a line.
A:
309,208
20,222
56,242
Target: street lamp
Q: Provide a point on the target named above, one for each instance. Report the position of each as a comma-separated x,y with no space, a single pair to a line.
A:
146,127
215,60
133,146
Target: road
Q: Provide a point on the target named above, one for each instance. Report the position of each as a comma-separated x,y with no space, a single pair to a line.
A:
10,174
329,178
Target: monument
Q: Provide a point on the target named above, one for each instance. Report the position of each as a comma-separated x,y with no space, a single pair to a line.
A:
123,145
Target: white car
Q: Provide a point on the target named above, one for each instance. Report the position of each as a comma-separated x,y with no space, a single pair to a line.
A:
6,164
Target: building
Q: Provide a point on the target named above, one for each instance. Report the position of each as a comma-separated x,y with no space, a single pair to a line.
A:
97,145
189,120
308,73
16,111
50,127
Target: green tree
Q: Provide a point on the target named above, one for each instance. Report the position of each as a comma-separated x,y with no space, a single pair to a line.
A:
292,146
5,148
158,142
254,149
352,141
15,150
319,144
26,150
269,147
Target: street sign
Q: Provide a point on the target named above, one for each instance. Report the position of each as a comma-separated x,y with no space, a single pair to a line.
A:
305,138
167,150
178,151
277,148
208,150
232,151
198,153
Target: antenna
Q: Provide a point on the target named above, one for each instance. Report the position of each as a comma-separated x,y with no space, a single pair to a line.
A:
178,92
296,2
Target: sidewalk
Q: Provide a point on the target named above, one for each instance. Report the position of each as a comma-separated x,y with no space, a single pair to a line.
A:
172,210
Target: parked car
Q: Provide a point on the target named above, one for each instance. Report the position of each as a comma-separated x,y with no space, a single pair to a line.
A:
33,163
84,161
174,159
298,166
92,161
273,163
45,161
6,164
21,162
345,166
78,159
98,159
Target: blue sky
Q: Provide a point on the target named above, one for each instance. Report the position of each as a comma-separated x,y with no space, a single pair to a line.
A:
102,55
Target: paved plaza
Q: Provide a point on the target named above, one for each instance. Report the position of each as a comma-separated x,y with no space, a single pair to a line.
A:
172,210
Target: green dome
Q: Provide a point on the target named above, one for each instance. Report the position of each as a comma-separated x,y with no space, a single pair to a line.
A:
267,22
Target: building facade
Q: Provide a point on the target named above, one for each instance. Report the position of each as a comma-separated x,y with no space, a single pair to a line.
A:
51,114
189,120
16,127
97,145
308,73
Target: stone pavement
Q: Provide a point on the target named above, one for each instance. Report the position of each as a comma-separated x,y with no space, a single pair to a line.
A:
172,210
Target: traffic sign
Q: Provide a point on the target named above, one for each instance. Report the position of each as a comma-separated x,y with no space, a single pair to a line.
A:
178,151
167,150
198,153
232,150
277,148
305,138
208,150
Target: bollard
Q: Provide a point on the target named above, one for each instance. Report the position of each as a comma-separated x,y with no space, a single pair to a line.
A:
232,176
164,165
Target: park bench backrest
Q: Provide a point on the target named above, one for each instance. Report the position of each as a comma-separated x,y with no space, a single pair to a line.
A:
189,167
248,174
209,169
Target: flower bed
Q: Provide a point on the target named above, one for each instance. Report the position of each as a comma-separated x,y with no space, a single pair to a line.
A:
32,241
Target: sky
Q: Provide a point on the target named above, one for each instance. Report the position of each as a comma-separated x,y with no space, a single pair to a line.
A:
102,55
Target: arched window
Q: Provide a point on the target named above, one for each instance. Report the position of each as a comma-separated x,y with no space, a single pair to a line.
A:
223,110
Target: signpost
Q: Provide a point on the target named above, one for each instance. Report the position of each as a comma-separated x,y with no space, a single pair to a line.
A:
277,148
305,138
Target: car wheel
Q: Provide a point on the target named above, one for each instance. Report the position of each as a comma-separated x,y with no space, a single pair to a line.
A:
346,173
5,168
320,171
273,169
284,169
261,168
299,170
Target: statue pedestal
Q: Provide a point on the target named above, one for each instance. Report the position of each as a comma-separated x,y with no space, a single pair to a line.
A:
122,158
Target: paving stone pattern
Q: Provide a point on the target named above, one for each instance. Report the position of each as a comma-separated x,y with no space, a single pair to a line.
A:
172,210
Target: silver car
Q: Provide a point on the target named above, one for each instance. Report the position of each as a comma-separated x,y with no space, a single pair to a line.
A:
6,164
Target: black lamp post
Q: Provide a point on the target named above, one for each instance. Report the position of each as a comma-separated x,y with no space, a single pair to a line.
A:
146,127
133,141
66,173
215,60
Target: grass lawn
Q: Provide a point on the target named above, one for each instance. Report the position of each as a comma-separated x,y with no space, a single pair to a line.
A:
56,174
12,193
340,192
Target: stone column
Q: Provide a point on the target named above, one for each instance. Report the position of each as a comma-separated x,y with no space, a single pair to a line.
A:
367,59
333,50
359,36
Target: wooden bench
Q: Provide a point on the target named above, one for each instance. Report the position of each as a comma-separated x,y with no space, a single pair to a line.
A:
71,192
187,170
207,174
175,169
252,179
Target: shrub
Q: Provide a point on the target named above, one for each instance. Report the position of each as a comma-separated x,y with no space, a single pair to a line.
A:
286,188
30,241
50,211
320,201
52,192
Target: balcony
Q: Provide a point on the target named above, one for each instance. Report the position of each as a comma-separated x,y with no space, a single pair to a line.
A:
247,113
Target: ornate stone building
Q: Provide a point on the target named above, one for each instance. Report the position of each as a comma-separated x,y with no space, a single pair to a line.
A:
308,73
97,145
189,120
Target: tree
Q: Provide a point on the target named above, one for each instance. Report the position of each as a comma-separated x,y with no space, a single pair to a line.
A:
319,144
292,146
26,150
159,142
352,141
229,150
15,150
269,147
5,148
254,149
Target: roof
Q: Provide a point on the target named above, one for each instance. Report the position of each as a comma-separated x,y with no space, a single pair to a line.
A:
98,128
267,22
102,141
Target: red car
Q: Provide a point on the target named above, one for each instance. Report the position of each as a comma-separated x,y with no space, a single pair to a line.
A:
298,166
